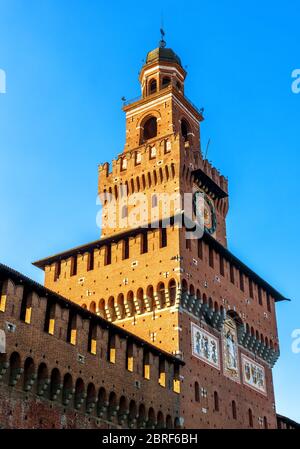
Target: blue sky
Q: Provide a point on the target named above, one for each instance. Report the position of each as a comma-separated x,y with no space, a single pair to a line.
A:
67,66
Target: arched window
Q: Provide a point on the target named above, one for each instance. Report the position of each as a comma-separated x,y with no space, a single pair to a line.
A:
265,422
67,392
55,384
250,416
216,401
233,407
152,86
166,81
197,392
185,129
29,374
150,128
172,292
154,200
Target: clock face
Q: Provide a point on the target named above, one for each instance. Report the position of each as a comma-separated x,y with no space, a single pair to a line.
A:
203,207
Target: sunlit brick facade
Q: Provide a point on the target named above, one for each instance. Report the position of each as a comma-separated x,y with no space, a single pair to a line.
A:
207,319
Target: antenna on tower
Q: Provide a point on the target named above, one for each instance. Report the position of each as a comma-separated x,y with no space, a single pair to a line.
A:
206,151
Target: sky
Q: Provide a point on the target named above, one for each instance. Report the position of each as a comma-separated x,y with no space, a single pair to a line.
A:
67,66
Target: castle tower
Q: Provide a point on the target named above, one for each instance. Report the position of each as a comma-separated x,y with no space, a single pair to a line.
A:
190,297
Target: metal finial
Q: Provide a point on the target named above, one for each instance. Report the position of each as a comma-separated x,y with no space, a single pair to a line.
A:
162,42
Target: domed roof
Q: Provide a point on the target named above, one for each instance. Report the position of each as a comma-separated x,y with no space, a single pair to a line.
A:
162,54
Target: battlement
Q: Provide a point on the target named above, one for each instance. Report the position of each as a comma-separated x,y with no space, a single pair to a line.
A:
54,350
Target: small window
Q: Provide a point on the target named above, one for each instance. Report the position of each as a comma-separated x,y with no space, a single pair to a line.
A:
107,255
90,264
144,243
216,401
197,392
57,270
221,265
123,163
146,365
242,281
166,81
250,288
152,86
124,213
150,128
167,146
138,158
129,356
163,237
250,415
152,152
233,408
162,372
74,266
268,302
154,200
125,249
231,273
184,129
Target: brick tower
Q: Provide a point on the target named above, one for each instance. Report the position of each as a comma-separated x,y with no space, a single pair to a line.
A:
190,297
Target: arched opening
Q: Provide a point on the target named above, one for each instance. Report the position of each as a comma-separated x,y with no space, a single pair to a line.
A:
142,416
130,303
123,409
172,292
93,307
265,422
140,299
67,389
160,420
151,418
166,81
112,404
150,129
169,424
42,379
132,416
55,384
79,393
150,296
101,308
185,129
102,402
111,314
29,374
120,306
161,294
152,86
90,397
